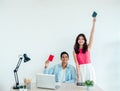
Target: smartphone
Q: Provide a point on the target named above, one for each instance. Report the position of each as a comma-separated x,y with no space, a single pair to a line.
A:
94,14
50,58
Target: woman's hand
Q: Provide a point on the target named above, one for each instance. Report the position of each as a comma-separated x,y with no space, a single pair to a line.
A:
94,20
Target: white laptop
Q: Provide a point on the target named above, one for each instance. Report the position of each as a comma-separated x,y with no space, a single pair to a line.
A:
46,81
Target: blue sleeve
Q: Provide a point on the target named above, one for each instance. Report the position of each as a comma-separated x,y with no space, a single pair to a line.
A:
49,71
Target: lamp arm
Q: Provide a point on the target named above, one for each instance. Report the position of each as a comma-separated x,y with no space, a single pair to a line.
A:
18,64
16,79
15,73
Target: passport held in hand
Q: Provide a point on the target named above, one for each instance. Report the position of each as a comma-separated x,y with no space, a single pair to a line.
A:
94,14
50,58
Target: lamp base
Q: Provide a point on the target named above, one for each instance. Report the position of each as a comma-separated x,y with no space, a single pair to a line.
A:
16,87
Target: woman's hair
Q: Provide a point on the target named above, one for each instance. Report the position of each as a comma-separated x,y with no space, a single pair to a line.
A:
76,46
64,53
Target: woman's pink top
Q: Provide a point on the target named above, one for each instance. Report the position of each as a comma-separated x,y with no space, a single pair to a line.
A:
83,58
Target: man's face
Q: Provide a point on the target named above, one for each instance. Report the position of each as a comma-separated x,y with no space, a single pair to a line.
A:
64,58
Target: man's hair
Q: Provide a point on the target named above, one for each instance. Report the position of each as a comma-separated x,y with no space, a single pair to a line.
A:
64,53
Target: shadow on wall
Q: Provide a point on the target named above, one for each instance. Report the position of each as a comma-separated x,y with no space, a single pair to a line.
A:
112,66
1,87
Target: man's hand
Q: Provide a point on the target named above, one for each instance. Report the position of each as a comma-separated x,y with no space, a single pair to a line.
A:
46,63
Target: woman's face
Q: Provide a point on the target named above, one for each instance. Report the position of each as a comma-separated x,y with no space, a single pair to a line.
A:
81,40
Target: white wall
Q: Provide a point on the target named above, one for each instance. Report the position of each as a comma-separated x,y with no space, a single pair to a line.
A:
43,27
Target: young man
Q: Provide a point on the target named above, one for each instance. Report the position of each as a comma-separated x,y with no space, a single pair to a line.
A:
64,72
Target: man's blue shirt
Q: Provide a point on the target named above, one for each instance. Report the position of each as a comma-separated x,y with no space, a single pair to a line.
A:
70,74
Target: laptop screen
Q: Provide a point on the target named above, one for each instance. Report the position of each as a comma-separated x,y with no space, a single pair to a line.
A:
45,81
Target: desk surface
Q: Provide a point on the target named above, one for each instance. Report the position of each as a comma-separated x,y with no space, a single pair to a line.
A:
66,87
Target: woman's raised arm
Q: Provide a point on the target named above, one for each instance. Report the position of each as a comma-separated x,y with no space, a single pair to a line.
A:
92,34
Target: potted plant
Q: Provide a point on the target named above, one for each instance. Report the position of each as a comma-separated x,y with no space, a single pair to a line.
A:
21,88
89,84
25,88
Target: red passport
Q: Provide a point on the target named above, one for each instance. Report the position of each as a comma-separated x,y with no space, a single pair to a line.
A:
50,58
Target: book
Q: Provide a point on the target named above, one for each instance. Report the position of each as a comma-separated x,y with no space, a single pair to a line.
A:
50,58
94,14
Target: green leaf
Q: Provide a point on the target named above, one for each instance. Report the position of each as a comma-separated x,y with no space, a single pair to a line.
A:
89,83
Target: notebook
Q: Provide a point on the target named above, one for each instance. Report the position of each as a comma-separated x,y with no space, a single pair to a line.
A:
46,81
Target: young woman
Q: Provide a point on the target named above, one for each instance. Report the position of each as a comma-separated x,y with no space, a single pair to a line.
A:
81,55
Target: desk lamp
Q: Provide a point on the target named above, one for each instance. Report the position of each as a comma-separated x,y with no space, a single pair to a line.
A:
24,58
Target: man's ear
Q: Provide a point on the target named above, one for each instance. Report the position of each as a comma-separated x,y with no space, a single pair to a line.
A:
68,58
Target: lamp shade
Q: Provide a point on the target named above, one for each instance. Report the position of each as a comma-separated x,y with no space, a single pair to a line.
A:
26,58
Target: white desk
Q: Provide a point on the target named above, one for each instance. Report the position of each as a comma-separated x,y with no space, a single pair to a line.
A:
65,87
